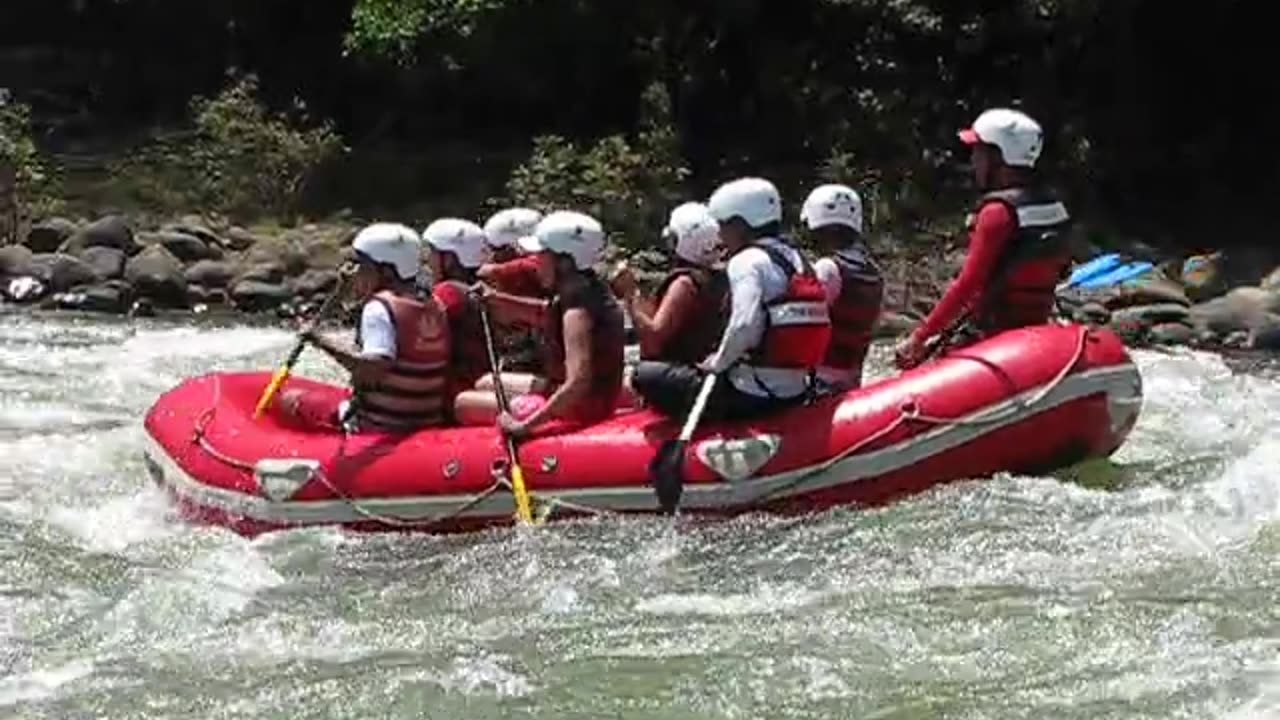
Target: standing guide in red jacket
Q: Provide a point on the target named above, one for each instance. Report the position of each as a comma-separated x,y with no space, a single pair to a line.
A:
1018,240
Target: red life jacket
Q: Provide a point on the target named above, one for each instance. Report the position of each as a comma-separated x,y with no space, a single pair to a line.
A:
469,360
797,326
855,311
1037,257
411,394
700,333
608,346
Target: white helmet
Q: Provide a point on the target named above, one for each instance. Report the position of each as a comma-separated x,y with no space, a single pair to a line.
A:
1019,138
695,235
755,200
832,205
505,227
460,237
391,244
568,233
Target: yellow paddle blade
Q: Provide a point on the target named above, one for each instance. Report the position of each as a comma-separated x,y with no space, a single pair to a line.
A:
524,513
265,401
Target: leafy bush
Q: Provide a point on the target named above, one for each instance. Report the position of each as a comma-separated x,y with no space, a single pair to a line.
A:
240,158
628,185
27,182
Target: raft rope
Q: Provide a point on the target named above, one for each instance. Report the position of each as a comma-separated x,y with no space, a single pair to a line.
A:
548,505
910,411
907,412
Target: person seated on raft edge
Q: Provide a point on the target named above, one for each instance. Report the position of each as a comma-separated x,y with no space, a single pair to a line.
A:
455,249
399,367
854,284
583,329
778,327
688,316
1019,244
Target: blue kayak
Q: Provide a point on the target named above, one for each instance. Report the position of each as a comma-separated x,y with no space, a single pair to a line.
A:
1106,270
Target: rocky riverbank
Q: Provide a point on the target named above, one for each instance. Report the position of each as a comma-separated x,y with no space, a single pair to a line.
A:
193,265
108,266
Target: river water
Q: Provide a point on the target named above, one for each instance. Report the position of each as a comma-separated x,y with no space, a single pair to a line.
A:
1146,588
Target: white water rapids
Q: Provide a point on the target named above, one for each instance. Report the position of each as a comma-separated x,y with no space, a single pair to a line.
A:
1146,588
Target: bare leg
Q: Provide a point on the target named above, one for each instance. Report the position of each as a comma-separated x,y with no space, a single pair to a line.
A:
476,407
514,383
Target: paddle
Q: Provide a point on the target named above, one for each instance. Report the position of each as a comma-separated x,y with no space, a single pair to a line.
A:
524,511
282,374
666,470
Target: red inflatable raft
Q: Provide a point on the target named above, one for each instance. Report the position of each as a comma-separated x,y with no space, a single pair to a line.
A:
1027,401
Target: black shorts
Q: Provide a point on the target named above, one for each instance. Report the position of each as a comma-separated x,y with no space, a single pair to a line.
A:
671,390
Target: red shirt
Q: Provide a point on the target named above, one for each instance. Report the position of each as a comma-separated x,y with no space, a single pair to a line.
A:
518,277
992,230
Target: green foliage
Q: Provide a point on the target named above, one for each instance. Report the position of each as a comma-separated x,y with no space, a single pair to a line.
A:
629,185
240,159
393,28
34,179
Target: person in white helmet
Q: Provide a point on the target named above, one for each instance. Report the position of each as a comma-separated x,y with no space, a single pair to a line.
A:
685,321
583,328
514,273
778,327
1019,244
508,270
832,214
399,364
456,248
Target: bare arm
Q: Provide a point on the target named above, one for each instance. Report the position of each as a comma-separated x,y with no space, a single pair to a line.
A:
655,328
577,365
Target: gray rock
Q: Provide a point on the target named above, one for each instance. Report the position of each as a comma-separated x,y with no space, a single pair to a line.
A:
1240,310
158,276
14,260
187,248
107,262
111,231
239,239
48,235
211,273
60,272
200,295
285,252
1172,334
266,272
314,282
192,227
255,296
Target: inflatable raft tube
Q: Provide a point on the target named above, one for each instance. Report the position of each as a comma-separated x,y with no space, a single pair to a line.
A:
1027,401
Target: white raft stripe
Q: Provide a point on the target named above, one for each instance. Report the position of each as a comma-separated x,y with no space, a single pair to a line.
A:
1120,383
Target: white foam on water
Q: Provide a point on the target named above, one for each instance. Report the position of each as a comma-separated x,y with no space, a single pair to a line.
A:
767,599
41,684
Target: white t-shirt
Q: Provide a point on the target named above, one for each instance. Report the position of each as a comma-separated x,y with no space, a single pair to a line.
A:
377,332
754,279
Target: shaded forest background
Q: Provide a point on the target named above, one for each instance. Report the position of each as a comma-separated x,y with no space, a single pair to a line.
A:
1159,115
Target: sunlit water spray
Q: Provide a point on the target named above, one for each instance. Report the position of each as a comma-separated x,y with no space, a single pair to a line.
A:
1143,589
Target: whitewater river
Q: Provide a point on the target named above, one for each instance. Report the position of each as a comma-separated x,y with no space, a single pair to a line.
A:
1147,589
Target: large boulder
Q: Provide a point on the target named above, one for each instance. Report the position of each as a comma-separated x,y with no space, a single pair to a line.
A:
157,275
14,260
314,282
107,262
321,246
238,239
194,227
1241,310
114,296
187,248
48,235
255,296
282,251
111,231
267,272
211,273
60,272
